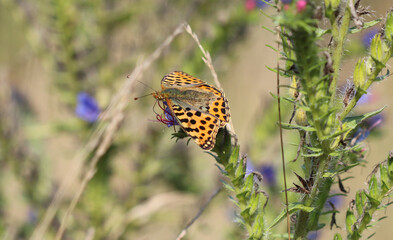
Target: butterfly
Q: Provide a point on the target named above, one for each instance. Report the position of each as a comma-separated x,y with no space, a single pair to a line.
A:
199,108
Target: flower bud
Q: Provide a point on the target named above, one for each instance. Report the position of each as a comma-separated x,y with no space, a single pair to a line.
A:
370,66
389,27
360,75
376,48
301,117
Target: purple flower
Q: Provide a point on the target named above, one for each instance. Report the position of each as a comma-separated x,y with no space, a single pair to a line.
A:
269,174
261,4
363,132
32,216
250,167
313,235
336,199
87,107
367,98
374,121
360,135
168,118
286,1
252,4
368,37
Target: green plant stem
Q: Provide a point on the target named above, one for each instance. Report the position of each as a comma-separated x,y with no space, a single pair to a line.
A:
301,229
339,34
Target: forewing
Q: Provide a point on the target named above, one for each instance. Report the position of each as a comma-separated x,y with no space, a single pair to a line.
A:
179,79
201,127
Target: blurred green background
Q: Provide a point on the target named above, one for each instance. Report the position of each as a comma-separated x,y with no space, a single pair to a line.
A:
146,186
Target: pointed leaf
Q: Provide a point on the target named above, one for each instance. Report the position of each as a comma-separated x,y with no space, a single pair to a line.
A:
373,188
365,26
350,220
294,126
254,202
292,208
353,122
337,236
227,186
360,200
258,226
389,27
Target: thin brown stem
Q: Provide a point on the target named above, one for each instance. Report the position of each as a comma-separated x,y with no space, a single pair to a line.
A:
281,138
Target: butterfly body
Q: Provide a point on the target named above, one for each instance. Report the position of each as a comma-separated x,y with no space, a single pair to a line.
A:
199,108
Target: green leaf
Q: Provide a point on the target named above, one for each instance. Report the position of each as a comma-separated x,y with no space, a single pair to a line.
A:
376,48
369,237
271,69
258,227
271,47
374,202
234,201
350,220
360,200
223,172
235,156
254,202
292,208
365,26
240,220
227,186
373,188
353,122
245,213
248,183
360,75
384,188
329,174
383,170
337,236
312,154
320,32
294,126
389,27
314,149
240,171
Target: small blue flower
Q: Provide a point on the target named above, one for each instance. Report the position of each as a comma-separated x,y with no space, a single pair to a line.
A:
365,99
87,107
313,235
252,4
337,201
286,1
168,118
360,135
374,121
368,37
32,216
269,174
250,167
369,124
261,4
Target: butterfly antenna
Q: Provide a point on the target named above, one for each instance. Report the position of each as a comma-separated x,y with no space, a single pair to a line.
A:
136,98
146,85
